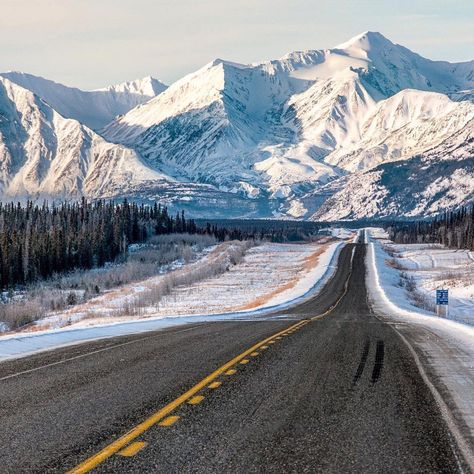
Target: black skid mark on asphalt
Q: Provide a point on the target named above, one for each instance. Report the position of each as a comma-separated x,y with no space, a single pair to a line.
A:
363,360
378,365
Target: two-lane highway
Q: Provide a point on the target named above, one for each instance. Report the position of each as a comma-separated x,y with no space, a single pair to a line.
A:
327,388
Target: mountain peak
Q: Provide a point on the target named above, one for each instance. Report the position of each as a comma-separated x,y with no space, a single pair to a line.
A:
148,86
93,108
366,41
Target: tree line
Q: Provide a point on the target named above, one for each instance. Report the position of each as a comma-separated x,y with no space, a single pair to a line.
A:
453,229
273,230
39,241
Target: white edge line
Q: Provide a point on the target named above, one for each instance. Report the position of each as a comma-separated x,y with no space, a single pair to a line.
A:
86,354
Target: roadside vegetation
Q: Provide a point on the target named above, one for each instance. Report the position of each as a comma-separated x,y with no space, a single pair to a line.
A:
54,257
408,282
37,242
453,229
219,261
158,254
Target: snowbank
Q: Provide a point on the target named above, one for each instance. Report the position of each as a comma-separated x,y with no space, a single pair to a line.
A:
388,298
429,266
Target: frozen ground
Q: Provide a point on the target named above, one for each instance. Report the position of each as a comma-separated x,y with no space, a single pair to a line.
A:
432,267
270,276
444,348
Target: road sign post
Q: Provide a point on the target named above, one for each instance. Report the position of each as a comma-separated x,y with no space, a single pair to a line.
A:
442,302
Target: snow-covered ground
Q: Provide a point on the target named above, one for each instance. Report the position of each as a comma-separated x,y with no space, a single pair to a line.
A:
431,267
270,276
443,348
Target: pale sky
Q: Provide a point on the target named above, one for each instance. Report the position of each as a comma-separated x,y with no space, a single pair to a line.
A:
94,43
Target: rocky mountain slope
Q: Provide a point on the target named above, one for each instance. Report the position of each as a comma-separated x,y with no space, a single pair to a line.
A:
278,129
423,185
45,154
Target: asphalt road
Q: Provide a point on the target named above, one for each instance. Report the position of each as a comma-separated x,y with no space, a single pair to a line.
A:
337,392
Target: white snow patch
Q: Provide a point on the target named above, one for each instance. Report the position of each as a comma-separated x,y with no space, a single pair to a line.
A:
432,267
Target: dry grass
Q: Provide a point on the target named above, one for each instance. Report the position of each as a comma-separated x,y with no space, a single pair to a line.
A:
309,263
34,328
261,300
68,292
394,263
217,262
457,277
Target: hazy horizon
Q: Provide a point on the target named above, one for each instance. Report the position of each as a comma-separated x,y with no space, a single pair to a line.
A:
90,45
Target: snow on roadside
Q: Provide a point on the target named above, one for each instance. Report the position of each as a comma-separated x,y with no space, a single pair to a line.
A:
431,266
113,305
270,275
390,298
284,258
447,346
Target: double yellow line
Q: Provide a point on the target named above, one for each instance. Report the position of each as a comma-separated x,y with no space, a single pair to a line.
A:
138,430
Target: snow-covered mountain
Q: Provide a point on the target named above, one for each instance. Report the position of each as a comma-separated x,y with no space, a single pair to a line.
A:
281,128
45,154
92,108
298,136
425,184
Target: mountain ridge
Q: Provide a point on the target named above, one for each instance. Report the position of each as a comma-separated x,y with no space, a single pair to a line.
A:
93,108
283,137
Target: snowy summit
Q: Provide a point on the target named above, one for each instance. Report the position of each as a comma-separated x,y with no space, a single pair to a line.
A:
297,136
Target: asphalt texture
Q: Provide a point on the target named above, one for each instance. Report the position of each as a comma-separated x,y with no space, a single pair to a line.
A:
340,394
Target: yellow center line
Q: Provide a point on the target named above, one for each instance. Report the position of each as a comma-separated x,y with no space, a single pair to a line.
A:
169,420
215,384
196,399
124,440
132,449
139,429
254,354
264,347
244,361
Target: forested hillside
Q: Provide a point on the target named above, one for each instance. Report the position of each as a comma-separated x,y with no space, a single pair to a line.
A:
454,229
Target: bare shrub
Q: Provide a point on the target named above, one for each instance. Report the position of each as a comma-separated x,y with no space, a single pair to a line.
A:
20,313
419,299
64,290
422,301
389,250
151,298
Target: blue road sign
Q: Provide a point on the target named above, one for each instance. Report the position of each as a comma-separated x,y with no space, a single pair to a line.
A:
442,297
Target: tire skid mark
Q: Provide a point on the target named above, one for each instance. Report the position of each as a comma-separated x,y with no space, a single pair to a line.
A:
379,358
363,361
